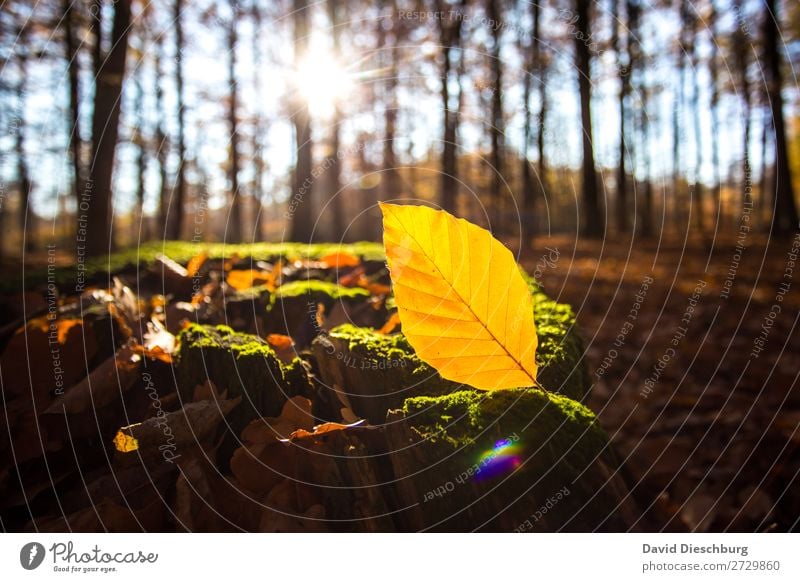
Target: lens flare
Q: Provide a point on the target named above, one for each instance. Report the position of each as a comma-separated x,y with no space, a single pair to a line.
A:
504,457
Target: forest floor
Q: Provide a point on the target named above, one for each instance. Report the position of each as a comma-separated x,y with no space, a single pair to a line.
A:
695,357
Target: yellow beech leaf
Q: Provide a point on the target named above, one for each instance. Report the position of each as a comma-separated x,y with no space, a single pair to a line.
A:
463,303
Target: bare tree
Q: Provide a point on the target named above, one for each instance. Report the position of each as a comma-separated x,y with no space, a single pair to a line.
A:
73,72
333,164
741,63
177,206
300,205
784,214
593,218
450,40
105,130
258,124
234,230
23,172
624,72
493,12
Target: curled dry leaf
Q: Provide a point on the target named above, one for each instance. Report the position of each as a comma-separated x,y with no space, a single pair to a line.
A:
106,384
296,414
322,429
283,346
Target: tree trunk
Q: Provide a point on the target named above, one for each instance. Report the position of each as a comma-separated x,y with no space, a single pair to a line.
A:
496,131
75,143
26,225
450,37
698,197
391,183
713,70
784,215
140,229
258,128
177,207
161,144
741,60
105,129
235,226
333,163
300,204
593,219
624,90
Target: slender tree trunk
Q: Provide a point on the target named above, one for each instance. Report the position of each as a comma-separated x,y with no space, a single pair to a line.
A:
161,143
140,229
178,199
713,70
26,225
528,189
258,127
593,219
741,59
624,90
391,180
333,163
698,134
497,129
784,216
677,119
300,204
75,143
235,225
450,38
105,129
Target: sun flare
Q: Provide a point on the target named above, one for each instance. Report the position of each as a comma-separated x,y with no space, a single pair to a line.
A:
322,82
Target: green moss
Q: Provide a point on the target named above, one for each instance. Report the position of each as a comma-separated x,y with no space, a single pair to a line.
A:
320,291
457,417
182,252
241,364
492,459
559,354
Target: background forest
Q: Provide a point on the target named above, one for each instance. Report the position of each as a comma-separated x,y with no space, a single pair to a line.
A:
245,121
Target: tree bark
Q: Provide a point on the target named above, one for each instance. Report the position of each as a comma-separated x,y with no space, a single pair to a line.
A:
177,207
105,130
450,38
593,219
258,128
24,185
75,142
162,143
784,214
624,90
300,204
391,183
333,163
496,130
234,230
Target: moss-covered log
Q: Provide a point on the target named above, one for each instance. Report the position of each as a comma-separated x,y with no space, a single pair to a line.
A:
295,307
512,460
241,365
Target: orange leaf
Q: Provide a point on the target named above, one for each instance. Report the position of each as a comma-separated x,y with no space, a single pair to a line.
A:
241,279
390,324
340,259
195,263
